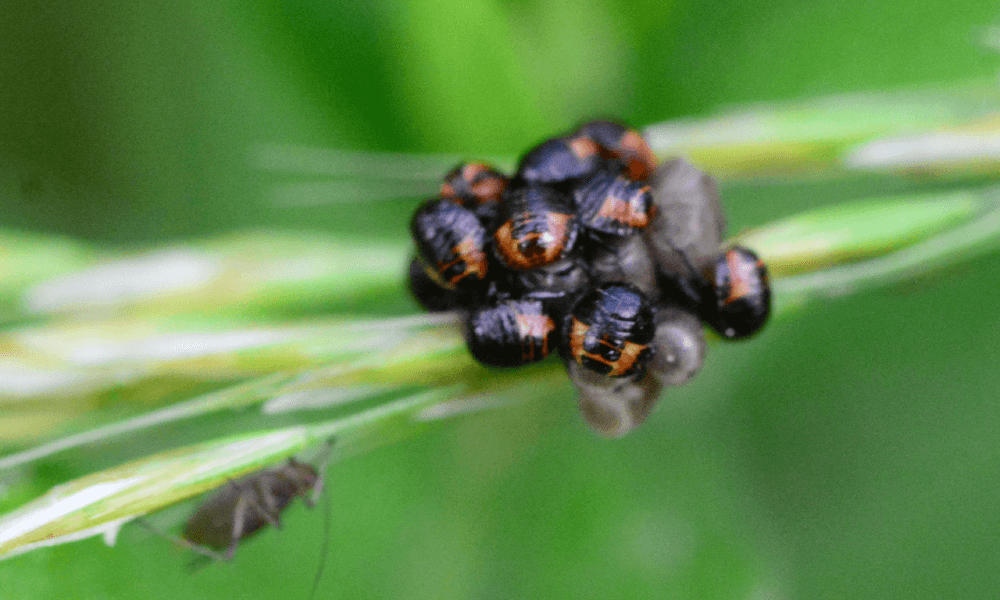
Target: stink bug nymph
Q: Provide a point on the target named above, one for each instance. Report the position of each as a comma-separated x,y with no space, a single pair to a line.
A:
741,298
476,186
539,227
612,204
451,243
560,159
510,334
620,142
428,292
609,331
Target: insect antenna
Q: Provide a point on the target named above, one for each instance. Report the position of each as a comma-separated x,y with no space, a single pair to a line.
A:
327,504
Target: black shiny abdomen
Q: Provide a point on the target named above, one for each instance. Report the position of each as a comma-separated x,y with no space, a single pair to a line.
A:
476,186
620,142
451,242
610,203
741,299
558,160
511,333
539,227
609,330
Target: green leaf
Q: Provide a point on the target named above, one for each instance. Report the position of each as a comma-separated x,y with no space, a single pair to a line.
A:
98,504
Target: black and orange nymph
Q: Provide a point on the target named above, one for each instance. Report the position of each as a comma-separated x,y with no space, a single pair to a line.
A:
740,302
612,204
617,141
511,333
609,330
560,160
538,227
732,295
476,186
451,244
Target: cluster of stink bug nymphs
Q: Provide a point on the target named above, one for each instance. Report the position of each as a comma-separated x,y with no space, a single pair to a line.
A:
594,249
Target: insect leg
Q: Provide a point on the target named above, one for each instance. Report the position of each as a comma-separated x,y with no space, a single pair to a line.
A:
250,498
203,550
239,518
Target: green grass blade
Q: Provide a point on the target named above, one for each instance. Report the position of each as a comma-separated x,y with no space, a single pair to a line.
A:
947,131
849,232
868,131
899,237
76,364
247,272
403,342
98,504
975,238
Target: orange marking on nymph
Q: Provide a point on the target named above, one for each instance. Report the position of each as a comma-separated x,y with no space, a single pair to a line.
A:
741,278
471,170
576,335
472,255
542,248
531,328
629,212
489,189
447,191
583,147
508,250
644,160
629,353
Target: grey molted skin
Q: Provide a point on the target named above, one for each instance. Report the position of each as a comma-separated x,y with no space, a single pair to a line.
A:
680,346
626,259
688,218
613,406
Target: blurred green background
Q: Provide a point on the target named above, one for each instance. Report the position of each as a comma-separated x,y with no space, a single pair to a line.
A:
851,452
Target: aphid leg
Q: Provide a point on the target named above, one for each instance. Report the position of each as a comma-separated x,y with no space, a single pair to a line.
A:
239,517
249,498
270,503
203,550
